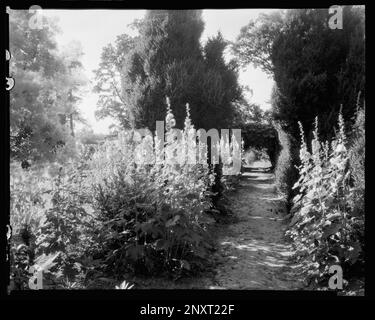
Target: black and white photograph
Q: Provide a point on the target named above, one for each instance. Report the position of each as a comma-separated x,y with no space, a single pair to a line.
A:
185,149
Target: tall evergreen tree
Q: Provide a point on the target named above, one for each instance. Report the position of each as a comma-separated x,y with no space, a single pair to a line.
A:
168,60
316,69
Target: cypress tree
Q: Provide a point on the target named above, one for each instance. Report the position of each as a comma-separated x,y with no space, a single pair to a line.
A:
168,60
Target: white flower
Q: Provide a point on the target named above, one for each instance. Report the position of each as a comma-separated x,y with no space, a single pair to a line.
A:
340,148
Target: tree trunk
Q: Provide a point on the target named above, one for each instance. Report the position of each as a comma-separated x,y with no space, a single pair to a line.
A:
71,124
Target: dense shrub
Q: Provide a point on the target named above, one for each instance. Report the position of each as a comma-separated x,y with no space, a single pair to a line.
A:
285,171
325,228
315,68
131,208
124,207
69,226
29,198
152,212
357,161
54,228
28,190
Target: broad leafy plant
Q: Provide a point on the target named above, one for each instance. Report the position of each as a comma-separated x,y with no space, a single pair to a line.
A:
325,229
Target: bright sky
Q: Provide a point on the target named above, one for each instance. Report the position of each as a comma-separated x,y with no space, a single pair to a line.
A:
96,28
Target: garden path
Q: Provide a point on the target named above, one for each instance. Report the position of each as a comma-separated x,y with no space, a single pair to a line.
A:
253,253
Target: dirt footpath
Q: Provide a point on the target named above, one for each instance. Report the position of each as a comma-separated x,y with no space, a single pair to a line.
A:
253,253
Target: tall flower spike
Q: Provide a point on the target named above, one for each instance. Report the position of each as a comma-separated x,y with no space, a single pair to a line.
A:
302,134
342,136
170,121
304,155
315,143
187,123
316,127
168,105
